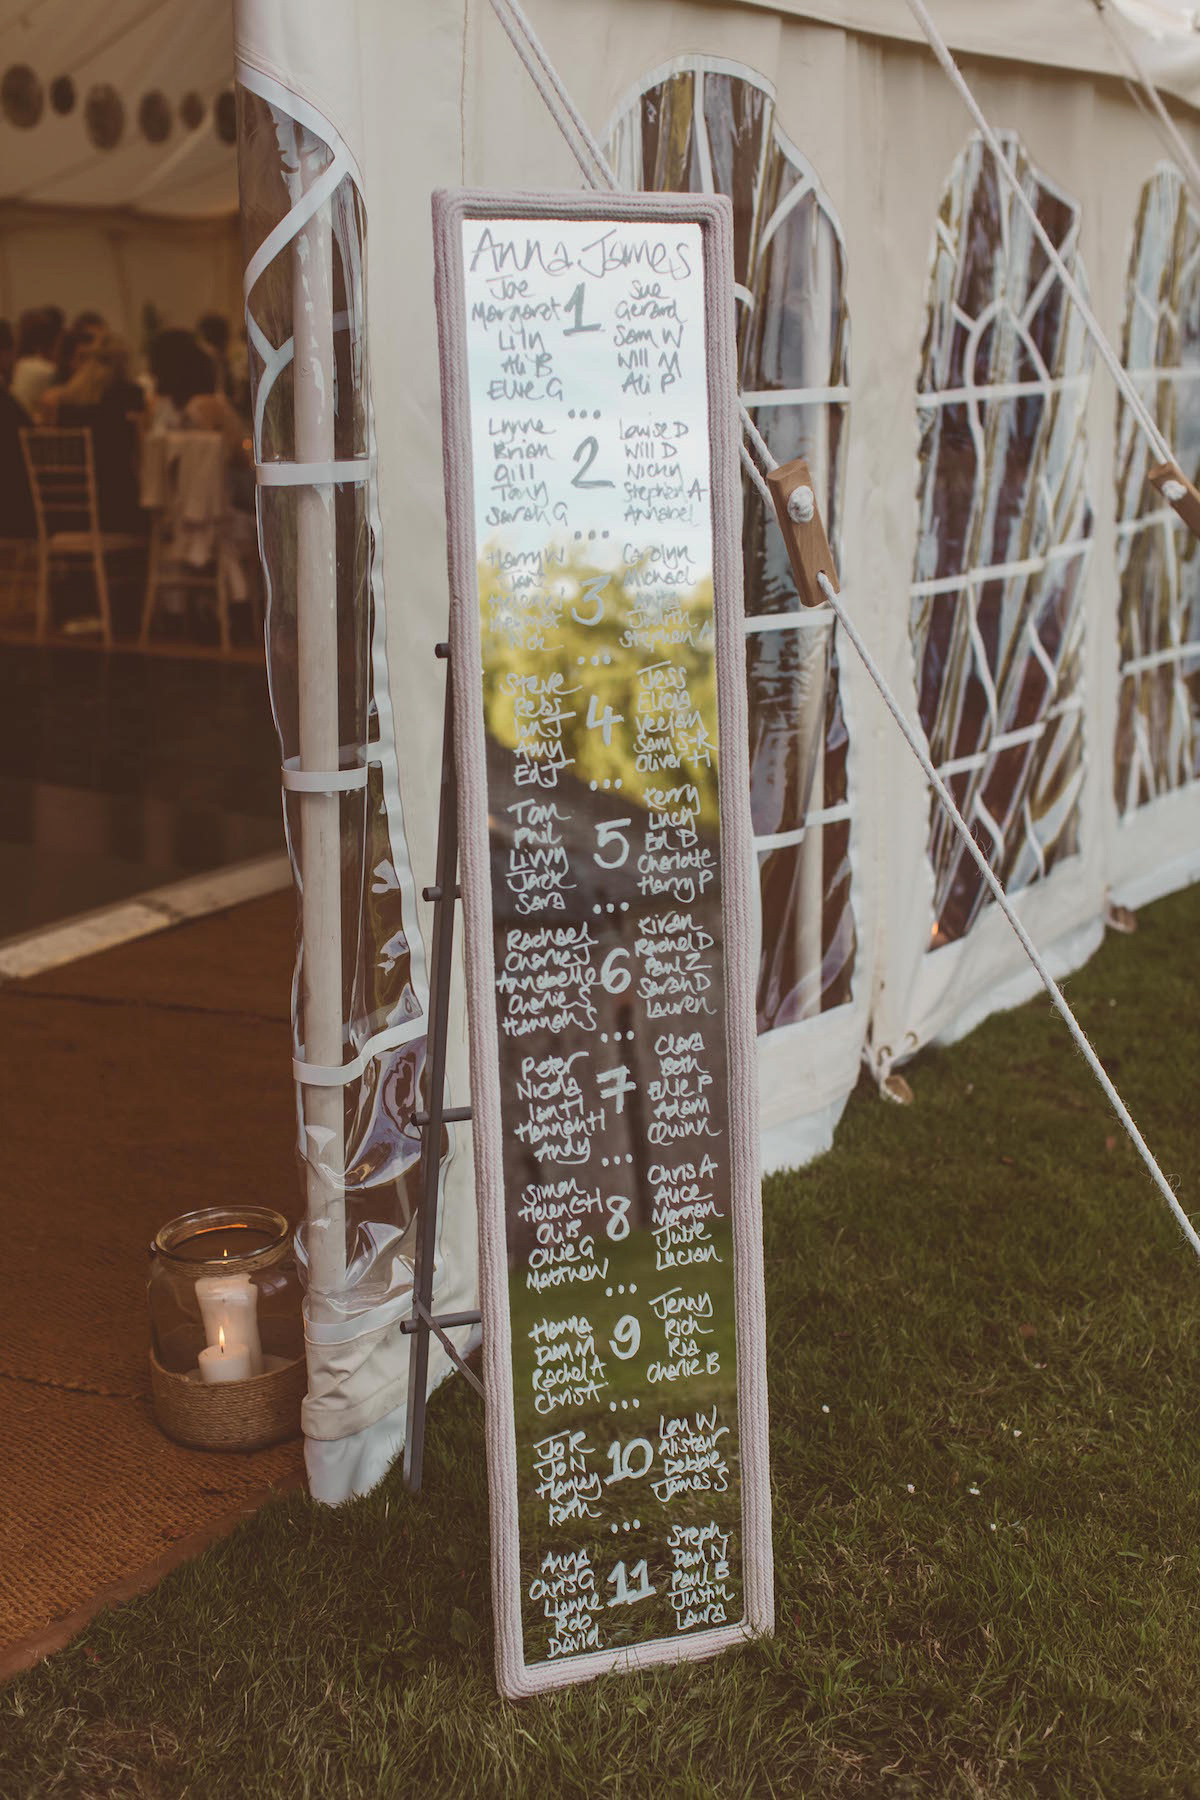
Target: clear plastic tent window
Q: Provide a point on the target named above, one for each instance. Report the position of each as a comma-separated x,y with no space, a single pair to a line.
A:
1157,745
703,125
1004,531
360,989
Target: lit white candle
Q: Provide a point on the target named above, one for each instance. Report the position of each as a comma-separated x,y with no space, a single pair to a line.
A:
230,1302
224,1362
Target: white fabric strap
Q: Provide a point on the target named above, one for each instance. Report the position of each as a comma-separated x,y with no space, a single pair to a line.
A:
282,234
1138,407
340,1074
322,781
320,474
811,618
805,396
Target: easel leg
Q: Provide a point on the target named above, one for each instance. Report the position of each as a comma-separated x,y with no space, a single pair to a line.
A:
435,1074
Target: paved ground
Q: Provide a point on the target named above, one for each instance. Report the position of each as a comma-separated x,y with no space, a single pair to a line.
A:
136,1085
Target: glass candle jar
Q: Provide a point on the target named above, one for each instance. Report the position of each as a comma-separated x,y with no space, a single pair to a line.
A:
223,1284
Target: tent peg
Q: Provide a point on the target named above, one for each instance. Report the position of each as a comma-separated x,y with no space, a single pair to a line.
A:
803,530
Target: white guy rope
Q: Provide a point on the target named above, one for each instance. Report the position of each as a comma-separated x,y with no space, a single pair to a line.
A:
549,84
960,825
1001,898
755,473
1120,37
755,435
521,24
1138,407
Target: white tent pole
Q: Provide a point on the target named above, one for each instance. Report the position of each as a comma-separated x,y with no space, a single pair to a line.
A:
320,820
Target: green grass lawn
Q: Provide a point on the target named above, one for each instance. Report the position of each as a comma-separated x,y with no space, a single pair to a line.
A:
985,1548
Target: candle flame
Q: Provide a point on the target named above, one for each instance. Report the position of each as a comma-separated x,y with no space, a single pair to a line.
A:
221,1338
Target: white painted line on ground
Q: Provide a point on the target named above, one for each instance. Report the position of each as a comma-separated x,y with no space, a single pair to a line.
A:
69,939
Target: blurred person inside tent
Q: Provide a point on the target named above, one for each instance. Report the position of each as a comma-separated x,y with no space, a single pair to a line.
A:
188,394
230,359
212,332
196,476
85,327
39,334
16,501
74,348
98,396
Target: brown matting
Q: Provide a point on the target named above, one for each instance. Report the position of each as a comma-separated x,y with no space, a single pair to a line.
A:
135,1085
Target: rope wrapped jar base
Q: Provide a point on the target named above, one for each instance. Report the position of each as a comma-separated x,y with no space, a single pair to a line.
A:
236,1415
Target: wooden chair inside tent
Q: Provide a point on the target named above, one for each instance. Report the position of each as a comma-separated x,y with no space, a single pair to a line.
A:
187,550
18,579
62,479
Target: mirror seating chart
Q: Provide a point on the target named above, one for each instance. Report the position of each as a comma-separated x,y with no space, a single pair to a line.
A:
597,647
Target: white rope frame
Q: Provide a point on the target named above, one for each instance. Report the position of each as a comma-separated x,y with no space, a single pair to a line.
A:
515,1677
1069,390
808,185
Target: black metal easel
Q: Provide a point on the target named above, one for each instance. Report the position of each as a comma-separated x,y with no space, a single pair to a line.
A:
421,1321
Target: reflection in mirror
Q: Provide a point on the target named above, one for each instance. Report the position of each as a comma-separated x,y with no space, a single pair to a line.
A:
594,540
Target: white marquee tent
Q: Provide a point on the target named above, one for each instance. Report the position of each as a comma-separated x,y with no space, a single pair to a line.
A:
1030,599
118,160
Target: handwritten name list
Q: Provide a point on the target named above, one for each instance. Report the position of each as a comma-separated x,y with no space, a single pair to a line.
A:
594,527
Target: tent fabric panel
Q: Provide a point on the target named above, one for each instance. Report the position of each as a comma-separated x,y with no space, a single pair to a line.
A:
817,1058
704,124
848,98
173,48
491,129
120,263
1065,35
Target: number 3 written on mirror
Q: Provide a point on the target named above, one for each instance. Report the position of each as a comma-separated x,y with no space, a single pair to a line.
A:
593,596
